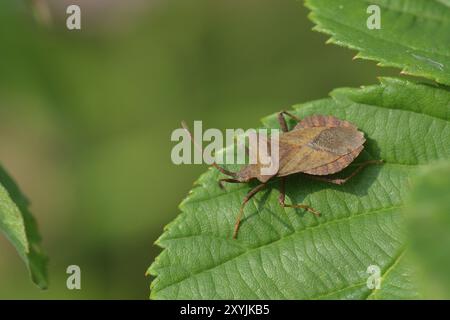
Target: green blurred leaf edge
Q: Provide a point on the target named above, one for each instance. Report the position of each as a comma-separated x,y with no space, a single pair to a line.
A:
20,228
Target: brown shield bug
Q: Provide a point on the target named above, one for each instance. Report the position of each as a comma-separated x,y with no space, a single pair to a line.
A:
318,145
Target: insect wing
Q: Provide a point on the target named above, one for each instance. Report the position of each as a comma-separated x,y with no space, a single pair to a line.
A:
305,149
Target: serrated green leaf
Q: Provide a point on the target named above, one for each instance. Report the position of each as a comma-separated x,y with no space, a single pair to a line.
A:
289,254
19,226
414,34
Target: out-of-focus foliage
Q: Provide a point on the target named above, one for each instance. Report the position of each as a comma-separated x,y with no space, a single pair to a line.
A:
19,226
413,34
428,214
86,118
287,254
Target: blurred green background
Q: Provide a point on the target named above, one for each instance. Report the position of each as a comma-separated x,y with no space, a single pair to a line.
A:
86,117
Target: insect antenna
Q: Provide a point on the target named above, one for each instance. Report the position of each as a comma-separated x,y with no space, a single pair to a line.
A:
214,164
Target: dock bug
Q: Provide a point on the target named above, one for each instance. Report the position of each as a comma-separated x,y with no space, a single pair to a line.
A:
318,145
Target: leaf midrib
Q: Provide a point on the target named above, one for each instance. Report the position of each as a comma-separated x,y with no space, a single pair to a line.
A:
388,270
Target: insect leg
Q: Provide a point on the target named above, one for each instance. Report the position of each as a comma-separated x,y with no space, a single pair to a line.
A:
244,202
291,115
247,151
282,198
223,170
282,120
221,181
354,173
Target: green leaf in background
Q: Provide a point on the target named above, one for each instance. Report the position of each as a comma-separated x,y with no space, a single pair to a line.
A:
19,226
428,214
414,34
289,254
